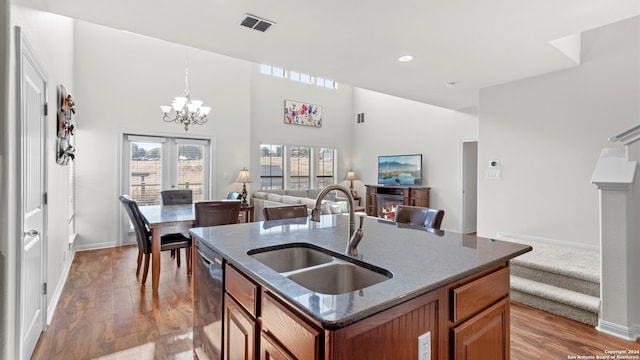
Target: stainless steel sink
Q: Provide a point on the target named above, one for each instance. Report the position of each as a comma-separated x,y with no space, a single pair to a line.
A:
337,278
320,270
292,258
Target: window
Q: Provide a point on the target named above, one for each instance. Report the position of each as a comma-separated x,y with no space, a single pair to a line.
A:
305,167
329,84
301,77
297,76
299,160
272,70
271,171
325,167
151,164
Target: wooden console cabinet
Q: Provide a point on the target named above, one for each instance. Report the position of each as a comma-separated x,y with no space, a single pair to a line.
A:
404,195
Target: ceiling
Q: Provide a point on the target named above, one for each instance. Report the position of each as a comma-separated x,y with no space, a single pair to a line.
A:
472,43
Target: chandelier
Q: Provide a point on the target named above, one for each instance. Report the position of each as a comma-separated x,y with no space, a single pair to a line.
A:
187,111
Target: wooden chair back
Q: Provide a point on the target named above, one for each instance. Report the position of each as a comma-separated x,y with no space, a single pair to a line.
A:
285,212
142,233
233,195
418,215
218,212
175,197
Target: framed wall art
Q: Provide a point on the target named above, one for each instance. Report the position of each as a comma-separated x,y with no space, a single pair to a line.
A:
65,125
301,113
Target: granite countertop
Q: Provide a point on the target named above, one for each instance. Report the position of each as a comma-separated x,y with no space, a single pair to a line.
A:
420,261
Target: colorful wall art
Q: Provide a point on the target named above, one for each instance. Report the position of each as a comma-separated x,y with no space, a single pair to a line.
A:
300,113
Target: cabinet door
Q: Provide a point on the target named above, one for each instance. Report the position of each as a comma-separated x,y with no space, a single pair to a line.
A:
484,336
271,350
291,331
240,331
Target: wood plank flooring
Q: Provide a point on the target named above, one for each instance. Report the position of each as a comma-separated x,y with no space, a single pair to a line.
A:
104,313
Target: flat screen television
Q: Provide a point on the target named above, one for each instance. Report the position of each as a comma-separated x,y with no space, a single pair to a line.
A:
400,169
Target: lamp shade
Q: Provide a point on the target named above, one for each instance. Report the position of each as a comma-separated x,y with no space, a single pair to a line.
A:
244,176
351,175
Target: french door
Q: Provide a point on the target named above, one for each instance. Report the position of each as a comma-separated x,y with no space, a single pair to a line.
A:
151,164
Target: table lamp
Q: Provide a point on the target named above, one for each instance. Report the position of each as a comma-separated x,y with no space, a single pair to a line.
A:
351,175
244,178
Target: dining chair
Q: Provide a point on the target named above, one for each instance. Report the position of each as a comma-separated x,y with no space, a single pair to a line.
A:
143,238
285,212
233,195
418,215
217,212
176,197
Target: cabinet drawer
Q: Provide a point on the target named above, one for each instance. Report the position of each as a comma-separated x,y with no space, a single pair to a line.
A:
242,289
298,337
472,298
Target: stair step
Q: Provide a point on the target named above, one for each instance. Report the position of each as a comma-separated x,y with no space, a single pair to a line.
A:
560,295
583,264
523,270
562,302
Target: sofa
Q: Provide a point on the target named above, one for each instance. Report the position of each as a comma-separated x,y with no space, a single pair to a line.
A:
331,204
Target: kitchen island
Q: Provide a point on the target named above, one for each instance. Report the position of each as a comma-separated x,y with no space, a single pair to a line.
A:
445,295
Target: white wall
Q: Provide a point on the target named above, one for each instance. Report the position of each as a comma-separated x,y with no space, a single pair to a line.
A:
547,133
51,37
268,94
121,79
395,126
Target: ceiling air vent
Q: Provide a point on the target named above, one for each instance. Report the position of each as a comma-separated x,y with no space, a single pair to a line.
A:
256,23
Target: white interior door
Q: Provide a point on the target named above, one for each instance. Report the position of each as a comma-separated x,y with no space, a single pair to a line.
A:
469,186
33,97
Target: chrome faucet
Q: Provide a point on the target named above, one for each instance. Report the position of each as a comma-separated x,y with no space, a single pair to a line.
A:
315,213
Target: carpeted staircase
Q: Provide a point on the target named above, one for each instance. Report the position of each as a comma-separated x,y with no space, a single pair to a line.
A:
559,279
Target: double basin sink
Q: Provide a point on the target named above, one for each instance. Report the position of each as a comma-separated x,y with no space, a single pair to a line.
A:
319,269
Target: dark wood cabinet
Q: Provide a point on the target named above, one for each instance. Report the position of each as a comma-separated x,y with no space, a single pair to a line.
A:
295,334
468,319
485,336
240,314
270,349
381,200
480,316
240,331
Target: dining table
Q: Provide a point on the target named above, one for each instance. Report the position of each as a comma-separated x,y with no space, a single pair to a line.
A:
161,220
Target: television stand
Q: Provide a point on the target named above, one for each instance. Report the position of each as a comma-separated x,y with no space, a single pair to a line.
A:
381,200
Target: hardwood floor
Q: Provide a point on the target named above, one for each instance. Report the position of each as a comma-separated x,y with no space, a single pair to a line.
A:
104,313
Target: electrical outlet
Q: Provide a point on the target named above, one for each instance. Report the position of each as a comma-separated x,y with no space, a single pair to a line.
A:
424,346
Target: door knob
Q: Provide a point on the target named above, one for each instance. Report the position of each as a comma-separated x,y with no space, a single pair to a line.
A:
32,233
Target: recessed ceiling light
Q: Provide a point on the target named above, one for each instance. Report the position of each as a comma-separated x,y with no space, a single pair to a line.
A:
405,58
450,84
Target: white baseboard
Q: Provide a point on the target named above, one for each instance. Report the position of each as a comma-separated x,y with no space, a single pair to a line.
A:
617,330
506,236
55,297
470,230
97,246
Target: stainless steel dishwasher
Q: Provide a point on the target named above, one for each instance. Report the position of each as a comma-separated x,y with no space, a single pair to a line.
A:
208,311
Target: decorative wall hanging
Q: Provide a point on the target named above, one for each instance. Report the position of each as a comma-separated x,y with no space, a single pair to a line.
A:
66,126
300,113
